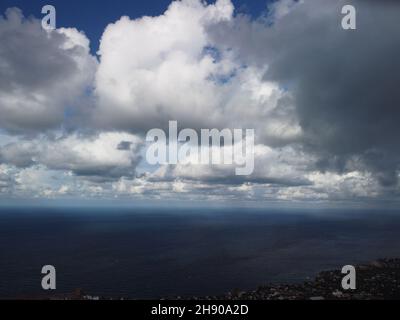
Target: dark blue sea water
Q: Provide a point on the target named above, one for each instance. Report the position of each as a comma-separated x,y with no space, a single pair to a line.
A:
152,253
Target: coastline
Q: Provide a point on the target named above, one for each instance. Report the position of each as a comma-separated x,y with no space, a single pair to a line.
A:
377,280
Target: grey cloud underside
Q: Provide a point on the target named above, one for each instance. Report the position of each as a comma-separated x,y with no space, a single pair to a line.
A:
225,178
345,83
42,74
5,182
42,68
325,102
61,154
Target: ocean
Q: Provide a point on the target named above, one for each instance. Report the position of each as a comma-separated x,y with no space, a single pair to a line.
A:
144,253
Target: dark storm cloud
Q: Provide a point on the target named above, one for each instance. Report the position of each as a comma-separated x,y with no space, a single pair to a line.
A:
345,82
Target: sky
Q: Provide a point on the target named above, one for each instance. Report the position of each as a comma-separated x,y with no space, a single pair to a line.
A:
76,102
92,16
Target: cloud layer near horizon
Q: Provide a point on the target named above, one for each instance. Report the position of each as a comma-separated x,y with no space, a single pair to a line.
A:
323,103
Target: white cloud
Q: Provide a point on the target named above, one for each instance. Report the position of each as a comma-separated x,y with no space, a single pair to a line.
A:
156,69
98,156
198,64
42,73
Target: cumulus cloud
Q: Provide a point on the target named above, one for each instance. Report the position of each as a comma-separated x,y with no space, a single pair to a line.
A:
344,83
156,69
99,156
283,167
43,74
323,102
5,180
